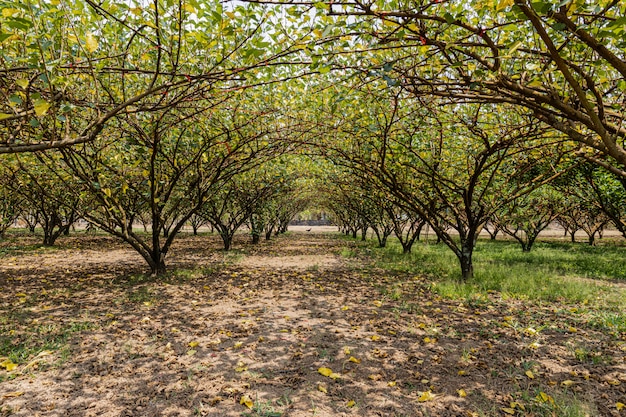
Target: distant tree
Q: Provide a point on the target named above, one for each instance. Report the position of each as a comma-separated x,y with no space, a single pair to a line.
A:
526,216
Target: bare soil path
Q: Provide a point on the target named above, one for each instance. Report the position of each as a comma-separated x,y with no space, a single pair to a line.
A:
257,332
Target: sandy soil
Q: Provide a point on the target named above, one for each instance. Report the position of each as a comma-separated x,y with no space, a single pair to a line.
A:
250,333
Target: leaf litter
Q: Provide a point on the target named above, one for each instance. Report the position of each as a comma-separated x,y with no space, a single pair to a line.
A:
319,338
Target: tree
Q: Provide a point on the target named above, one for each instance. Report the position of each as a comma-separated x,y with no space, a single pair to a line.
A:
10,205
526,216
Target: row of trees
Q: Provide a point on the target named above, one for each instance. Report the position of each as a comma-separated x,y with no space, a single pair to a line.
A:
453,111
227,169
460,169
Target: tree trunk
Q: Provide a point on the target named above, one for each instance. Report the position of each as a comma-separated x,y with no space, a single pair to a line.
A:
157,266
227,239
592,239
465,258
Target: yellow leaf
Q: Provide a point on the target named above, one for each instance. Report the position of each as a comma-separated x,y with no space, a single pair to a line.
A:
5,116
13,394
620,406
241,367
346,350
238,345
461,393
344,308
9,12
334,376
375,338
534,345
462,372
530,374
426,396
191,352
392,383
189,8
378,303
8,365
567,383
322,388
325,371
572,329
245,400
375,377
503,4
544,398
509,411
355,360
350,404
91,43
41,107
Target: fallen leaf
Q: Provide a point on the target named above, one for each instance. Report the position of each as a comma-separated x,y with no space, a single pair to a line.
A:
8,365
375,377
350,404
322,388
13,394
241,367
245,400
375,338
346,350
378,303
191,352
534,345
329,373
238,345
530,374
426,396
509,411
544,398
391,383
567,383
462,372
344,308
620,406
355,360
193,344
461,393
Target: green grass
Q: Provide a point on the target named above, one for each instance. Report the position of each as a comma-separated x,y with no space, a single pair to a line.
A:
22,346
566,272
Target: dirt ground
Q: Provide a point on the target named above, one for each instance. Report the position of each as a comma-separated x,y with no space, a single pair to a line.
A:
284,328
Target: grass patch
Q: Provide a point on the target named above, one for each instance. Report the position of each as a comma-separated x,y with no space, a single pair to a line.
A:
565,272
20,346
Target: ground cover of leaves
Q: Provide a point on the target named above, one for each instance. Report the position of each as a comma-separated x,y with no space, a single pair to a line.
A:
284,328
